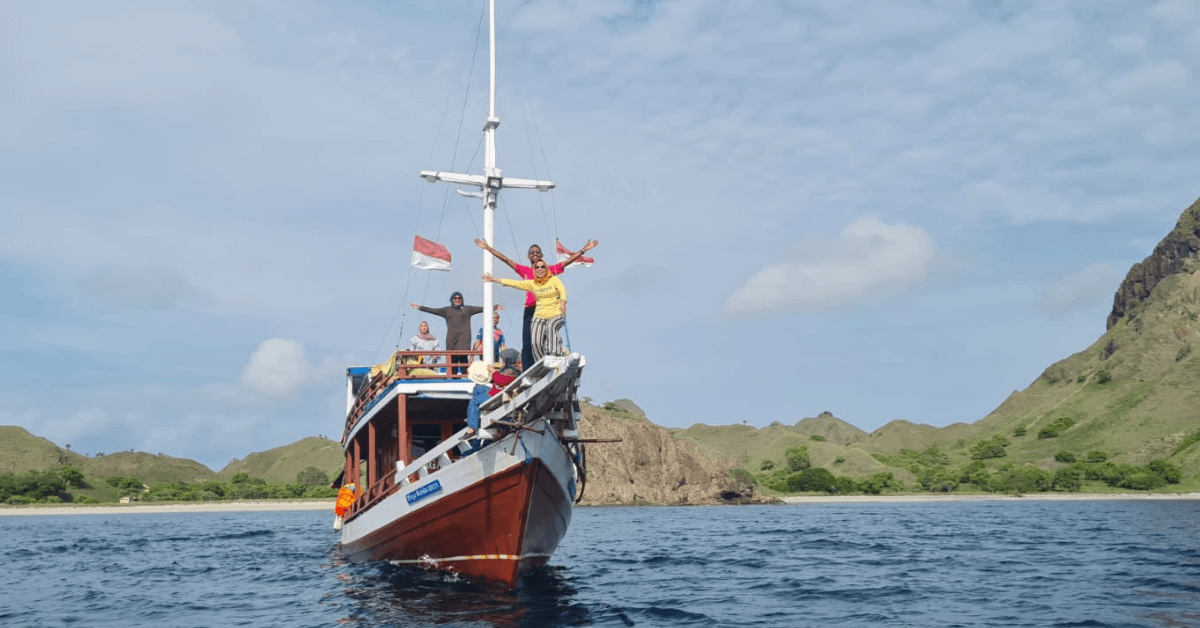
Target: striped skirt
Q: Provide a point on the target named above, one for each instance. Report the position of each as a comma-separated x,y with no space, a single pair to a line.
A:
546,337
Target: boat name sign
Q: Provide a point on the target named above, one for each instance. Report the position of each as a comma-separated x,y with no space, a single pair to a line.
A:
424,491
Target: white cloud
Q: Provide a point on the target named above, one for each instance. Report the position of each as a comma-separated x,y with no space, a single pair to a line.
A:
83,425
276,368
1090,287
870,258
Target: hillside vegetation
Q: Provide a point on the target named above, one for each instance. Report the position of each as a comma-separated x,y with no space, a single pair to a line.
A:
282,464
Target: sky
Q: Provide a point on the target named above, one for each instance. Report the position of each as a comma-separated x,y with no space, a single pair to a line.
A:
883,210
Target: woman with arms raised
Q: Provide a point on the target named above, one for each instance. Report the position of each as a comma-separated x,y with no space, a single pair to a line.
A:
526,272
550,310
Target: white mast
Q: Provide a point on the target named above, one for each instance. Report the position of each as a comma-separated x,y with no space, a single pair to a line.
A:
490,183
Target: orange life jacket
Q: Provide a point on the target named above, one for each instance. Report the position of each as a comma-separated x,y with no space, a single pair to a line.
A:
345,497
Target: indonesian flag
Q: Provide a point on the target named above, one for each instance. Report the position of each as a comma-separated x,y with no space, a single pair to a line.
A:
564,253
429,255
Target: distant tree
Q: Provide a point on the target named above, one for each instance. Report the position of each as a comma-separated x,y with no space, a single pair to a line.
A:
814,479
797,458
981,478
1019,431
240,478
1056,427
34,485
844,485
124,483
1065,456
1047,432
1142,481
766,465
217,488
817,437
1096,456
938,479
72,475
875,483
990,448
1026,479
1169,472
312,476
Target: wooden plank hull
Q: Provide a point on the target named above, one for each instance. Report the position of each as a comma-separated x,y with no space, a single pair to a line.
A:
496,529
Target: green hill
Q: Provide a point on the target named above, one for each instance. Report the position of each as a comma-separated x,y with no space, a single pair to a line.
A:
22,451
281,464
750,445
149,468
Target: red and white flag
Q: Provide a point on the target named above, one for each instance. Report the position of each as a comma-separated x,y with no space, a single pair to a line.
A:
429,255
564,253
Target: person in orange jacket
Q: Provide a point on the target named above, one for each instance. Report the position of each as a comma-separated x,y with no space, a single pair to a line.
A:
346,496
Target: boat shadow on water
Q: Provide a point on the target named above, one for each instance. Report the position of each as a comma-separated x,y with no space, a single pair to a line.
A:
385,594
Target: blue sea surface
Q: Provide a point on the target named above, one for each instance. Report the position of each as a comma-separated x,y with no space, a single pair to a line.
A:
977,563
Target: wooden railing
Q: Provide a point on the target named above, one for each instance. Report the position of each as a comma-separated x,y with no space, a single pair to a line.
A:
403,372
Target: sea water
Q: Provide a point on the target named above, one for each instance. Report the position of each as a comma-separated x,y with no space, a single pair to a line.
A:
978,563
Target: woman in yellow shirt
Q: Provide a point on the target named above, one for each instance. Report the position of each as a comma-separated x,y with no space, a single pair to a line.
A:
550,312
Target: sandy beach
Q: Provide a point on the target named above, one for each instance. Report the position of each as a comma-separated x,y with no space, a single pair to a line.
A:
113,509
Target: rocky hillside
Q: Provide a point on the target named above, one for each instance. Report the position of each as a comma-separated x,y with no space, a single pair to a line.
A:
1175,254
649,465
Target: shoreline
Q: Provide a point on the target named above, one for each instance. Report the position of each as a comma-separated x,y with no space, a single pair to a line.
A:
268,506
130,509
1034,497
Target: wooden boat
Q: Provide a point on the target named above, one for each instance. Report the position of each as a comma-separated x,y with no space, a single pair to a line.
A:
428,497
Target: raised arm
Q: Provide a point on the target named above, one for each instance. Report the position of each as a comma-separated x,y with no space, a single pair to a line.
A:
526,284
587,246
500,256
436,311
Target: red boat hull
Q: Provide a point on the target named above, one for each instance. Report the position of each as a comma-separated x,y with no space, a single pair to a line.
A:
496,529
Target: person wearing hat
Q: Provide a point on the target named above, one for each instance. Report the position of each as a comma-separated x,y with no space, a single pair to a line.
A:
481,375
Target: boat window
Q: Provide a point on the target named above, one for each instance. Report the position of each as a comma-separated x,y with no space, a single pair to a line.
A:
425,436
356,383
